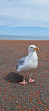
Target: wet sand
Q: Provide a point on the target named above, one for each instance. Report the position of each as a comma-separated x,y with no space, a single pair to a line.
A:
29,97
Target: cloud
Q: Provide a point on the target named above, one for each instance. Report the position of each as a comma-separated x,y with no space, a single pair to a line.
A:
33,13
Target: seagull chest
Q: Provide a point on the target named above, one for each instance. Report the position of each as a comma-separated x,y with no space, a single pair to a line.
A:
30,65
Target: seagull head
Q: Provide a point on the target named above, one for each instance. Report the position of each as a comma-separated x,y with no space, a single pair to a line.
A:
32,48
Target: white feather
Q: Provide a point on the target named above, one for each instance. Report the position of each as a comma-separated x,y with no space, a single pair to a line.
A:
30,61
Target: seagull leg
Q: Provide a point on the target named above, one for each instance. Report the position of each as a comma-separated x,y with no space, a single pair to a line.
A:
23,82
31,80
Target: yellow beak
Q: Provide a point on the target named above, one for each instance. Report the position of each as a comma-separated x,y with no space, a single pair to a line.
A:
36,48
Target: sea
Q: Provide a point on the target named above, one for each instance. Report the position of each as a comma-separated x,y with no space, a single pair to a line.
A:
14,37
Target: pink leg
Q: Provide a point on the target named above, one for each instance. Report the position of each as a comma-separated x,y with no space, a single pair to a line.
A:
31,80
23,82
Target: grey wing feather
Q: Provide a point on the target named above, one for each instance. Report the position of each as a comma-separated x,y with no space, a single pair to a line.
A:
20,62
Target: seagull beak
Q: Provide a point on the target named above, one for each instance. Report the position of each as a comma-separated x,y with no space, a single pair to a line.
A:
36,48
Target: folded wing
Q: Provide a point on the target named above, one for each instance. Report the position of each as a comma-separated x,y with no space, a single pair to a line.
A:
20,62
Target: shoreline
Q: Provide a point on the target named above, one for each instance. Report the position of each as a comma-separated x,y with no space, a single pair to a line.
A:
20,40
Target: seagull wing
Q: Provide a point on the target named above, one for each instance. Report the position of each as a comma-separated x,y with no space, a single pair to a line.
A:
20,62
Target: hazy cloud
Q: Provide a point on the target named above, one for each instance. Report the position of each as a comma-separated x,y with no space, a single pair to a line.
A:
24,13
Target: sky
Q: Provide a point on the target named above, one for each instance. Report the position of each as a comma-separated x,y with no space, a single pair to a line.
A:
24,17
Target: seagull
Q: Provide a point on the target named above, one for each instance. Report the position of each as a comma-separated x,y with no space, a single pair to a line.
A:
28,63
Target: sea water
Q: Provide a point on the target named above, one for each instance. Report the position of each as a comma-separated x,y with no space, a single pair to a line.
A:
14,37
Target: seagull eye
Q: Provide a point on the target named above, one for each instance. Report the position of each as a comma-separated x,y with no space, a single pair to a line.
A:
30,47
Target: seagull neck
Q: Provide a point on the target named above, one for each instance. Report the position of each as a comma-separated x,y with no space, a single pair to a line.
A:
31,53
